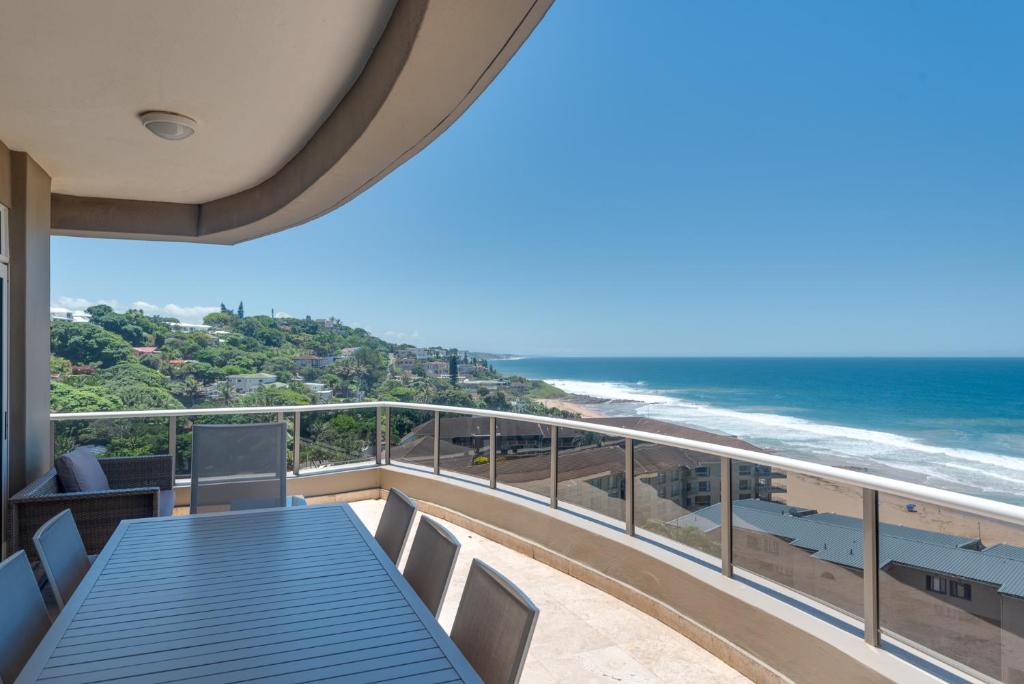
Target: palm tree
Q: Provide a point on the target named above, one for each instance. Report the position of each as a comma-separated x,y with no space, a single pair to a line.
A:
193,389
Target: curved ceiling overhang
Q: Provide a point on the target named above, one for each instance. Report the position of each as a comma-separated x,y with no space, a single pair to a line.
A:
433,59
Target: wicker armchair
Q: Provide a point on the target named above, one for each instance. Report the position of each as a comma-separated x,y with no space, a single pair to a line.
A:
136,483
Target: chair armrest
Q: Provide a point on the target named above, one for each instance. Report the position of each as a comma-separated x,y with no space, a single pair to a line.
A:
138,471
97,514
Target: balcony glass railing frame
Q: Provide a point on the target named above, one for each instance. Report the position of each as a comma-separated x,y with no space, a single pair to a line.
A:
870,486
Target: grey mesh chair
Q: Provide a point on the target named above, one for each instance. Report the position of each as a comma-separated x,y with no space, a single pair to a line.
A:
394,525
25,621
431,563
494,624
62,552
238,467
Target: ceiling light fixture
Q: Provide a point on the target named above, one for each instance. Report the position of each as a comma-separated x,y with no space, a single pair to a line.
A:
168,125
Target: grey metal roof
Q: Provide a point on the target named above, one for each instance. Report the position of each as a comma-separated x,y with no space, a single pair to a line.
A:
773,507
839,539
1006,551
901,531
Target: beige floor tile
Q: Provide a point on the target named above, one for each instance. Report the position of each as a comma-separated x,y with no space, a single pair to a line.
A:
599,665
584,635
676,660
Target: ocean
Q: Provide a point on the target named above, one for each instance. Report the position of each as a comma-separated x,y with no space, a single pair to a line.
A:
957,424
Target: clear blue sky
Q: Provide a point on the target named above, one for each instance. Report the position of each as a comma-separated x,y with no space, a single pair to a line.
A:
699,178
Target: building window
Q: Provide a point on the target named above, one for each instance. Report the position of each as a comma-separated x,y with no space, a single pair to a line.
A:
676,489
661,478
935,583
702,471
960,590
744,470
703,486
744,485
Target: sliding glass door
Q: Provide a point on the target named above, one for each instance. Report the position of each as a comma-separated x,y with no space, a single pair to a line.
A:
4,421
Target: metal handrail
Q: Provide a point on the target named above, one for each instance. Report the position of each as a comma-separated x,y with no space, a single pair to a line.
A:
965,502
869,485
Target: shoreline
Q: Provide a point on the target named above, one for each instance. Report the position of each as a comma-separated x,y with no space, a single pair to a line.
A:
575,403
807,491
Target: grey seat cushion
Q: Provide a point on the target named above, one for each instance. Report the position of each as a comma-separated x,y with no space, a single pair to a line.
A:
79,471
166,502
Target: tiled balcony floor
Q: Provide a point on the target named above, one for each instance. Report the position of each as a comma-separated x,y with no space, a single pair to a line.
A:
583,635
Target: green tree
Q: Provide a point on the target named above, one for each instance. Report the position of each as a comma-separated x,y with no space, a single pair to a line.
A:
241,310
67,399
453,369
275,396
88,343
220,319
137,386
59,366
192,390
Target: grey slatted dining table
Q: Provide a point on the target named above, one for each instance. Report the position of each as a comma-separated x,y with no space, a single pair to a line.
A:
281,595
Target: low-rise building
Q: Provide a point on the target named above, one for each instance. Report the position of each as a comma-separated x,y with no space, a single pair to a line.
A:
436,368
243,383
978,590
313,361
321,392
58,313
490,384
188,327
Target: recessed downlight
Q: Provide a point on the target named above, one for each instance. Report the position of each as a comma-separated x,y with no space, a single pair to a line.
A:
168,125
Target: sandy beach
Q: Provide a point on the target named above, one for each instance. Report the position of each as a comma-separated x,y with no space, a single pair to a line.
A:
573,404
811,492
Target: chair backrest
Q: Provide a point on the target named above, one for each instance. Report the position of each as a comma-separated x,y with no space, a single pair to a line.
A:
63,555
431,562
25,621
238,463
494,624
394,525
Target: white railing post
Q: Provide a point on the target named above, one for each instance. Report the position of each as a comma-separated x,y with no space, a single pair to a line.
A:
554,466
725,509
437,442
172,445
296,443
629,502
387,435
872,633
492,462
377,437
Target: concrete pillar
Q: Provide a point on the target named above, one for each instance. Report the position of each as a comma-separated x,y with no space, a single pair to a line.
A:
29,333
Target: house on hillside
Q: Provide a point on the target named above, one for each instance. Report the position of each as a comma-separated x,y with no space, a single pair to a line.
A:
189,327
58,313
321,392
243,383
313,361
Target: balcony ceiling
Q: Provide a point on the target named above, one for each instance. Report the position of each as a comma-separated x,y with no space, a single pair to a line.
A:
259,78
300,104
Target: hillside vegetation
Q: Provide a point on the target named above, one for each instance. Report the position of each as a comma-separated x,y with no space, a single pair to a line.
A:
121,361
